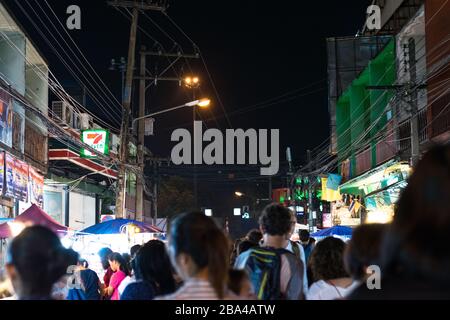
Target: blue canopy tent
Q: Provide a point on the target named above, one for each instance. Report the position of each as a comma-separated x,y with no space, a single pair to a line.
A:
116,226
340,231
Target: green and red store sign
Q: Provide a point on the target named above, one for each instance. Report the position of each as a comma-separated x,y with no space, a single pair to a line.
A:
97,139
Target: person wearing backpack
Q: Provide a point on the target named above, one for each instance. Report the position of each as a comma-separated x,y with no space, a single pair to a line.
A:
274,272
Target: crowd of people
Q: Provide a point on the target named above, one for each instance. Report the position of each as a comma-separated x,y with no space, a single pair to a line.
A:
199,262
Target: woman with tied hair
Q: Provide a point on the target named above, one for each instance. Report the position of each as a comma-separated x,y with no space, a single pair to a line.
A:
198,249
120,267
415,254
36,261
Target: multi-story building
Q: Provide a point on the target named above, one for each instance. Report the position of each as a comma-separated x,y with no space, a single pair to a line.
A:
397,103
23,105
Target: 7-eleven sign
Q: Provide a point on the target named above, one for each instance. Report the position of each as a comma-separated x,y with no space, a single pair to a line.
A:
97,139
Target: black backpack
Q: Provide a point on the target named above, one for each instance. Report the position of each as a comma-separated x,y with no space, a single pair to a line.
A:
264,266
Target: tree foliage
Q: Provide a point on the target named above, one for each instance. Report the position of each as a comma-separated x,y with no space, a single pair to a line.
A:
174,196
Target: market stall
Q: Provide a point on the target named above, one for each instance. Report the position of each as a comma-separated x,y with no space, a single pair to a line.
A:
32,216
118,234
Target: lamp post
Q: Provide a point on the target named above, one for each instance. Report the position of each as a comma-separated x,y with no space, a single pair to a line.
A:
202,103
193,83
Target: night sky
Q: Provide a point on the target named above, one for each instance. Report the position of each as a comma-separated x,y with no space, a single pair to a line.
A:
256,51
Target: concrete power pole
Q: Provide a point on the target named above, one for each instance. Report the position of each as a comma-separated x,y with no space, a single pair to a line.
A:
124,130
415,152
124,138
310,199
143,78
141,140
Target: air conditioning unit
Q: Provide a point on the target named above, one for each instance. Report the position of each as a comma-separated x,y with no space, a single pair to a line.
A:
76,121
86,121
115,144
62,113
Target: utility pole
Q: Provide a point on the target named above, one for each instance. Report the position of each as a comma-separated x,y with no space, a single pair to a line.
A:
124,139
415,152
155,193
124,130
310,199
195,168
143,78
141,140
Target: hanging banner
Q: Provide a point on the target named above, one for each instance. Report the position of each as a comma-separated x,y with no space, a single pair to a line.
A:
2,171
6,118
16,178
329,194
9,176
36,188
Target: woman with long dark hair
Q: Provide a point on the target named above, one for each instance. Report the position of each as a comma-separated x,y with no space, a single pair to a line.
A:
153,273
120,267
103,254
199,251
36,261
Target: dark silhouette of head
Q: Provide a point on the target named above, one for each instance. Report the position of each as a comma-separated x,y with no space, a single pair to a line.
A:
134,249
36,261
103,254
364,249
416,243
276,220
254,235
152,264
327,259
304,236
246,245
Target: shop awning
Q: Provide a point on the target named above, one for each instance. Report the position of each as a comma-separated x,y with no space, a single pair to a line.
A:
334,231
116,226
32,216
75,159
377,179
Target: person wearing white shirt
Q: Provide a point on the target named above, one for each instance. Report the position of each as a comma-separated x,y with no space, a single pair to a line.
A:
124,284
332,289
327,265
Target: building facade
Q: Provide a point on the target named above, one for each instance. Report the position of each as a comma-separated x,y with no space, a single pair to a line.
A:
23,105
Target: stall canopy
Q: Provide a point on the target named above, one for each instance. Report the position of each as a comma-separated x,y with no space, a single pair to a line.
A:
33,216
116,226
334,231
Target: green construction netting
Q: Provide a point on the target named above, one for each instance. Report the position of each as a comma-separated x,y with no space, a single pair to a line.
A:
358,107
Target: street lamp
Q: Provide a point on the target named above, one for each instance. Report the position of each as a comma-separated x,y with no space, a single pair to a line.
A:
239,194
192,82
202,103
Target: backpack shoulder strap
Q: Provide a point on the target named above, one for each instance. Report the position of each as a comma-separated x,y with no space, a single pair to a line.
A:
295,248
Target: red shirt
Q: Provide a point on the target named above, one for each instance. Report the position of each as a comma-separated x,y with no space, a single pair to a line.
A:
107,276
